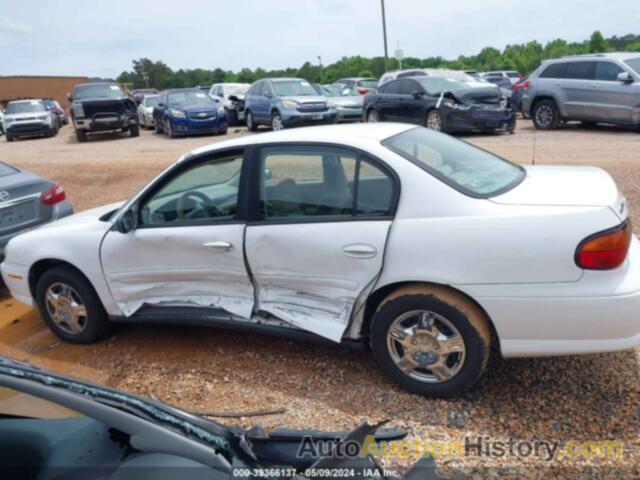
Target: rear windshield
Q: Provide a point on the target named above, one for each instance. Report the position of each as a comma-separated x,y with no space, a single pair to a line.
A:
25,107
634,63
368,83
150,101
466,168
6,170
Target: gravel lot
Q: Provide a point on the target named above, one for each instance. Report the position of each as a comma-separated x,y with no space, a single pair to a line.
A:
588,398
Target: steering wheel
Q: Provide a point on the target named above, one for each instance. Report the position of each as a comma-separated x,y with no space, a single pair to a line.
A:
202,201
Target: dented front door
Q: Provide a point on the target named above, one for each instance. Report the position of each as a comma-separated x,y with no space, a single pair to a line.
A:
188,247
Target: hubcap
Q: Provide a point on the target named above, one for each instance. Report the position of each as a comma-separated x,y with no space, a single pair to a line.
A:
66,309
373,116
434,122
426,346
249,120
544,115
276,123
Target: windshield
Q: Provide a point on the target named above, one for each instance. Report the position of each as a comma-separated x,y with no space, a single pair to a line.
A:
150,101
634,63
236,89
188,98
25,107
466,168
98,91
6,170
292,88
437,85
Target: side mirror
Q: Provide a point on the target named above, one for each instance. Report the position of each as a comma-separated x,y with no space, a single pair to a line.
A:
625,77
161,105
69,97
268,95
234,98
267,174
416,94
127,222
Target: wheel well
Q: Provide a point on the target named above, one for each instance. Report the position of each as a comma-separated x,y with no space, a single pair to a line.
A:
41,266
539,99
377,297
275,110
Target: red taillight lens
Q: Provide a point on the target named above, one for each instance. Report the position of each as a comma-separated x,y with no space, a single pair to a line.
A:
518,86
54,195
362,90
526,84
605,250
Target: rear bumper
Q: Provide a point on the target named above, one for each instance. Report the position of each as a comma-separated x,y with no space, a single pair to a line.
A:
59,210
349,114
598,313
16,278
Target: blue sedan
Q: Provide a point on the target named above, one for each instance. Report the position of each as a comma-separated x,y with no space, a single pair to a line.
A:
188,111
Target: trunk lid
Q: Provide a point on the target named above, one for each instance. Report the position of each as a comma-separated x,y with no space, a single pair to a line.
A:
566,186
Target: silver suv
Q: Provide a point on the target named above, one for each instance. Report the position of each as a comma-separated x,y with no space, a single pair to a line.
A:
600,87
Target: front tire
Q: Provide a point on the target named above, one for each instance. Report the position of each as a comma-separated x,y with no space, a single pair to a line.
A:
373,116
430,340
276,122
134,130
434,121
545,115
81,135
251,124
70,307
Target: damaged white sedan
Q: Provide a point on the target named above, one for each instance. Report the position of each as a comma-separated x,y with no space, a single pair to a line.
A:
425,248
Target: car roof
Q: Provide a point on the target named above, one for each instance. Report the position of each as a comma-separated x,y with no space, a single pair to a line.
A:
339,134
27,100
596,56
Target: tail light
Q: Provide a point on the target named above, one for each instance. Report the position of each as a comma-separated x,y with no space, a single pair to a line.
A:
518,86
526,84
362,90
54,195
605,250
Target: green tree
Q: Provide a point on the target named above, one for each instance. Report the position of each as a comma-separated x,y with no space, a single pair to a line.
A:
597,43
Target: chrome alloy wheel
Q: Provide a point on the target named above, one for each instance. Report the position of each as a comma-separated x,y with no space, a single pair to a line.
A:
544,115
276,122
426,346
66,308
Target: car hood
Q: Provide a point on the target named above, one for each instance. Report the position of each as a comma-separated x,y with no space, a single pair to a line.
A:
213,106
306,98
566,186
478,95
102,100
88,219
24,116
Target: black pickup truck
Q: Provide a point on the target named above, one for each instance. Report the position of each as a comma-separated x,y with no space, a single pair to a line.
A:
102,107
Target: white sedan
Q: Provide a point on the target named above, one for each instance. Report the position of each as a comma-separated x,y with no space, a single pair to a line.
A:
145,111
427,249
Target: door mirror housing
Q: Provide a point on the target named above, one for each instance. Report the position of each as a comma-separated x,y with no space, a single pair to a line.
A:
161,105
416,94
127,222
625,77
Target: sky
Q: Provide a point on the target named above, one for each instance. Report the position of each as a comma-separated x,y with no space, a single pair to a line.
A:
101,38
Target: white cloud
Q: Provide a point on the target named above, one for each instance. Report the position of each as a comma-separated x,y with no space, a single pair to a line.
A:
8,26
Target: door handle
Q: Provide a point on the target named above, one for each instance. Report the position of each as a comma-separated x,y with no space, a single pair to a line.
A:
220,245
359,250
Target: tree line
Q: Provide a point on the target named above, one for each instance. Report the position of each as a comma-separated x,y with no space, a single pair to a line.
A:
523,58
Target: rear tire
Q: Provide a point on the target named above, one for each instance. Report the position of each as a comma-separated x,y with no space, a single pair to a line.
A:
81,135
251,125
159,129
134,130
60,294
545,115
452,317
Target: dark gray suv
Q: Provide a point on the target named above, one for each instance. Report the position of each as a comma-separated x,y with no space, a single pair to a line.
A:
595,88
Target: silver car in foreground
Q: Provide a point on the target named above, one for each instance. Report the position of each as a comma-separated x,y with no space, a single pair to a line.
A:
595,88
27,201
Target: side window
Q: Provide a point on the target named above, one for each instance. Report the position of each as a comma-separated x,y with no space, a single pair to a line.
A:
205,193
374,191
407,87
392,87
310,183
266,89
607,71
580,71
555,70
